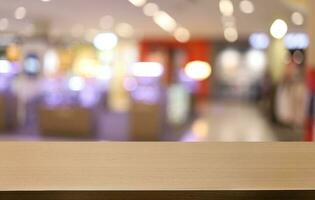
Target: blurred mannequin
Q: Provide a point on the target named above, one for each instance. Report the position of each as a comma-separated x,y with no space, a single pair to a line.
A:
291,97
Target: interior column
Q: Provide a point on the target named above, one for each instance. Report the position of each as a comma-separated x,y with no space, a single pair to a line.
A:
310,119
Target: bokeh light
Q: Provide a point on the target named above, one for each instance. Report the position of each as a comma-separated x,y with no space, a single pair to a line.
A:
231,34
124,30
76,83
147,69
297,18
105,41
150,9
198,70
259,40
226,7
138,3
247,6
165,21
279,29
20,13
256,61
182,34
296,40
4,66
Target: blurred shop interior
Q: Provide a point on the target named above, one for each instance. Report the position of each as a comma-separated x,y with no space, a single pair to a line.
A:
157,70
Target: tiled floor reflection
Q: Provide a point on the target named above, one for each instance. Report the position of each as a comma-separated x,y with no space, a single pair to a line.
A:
231,122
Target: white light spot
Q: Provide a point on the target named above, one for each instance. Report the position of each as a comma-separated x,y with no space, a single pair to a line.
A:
147,69
105,41
247,7
198,70
279,29
20,13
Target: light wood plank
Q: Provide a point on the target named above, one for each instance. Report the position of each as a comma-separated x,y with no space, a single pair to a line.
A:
156,166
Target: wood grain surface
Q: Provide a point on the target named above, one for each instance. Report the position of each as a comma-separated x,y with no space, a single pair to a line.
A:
99,166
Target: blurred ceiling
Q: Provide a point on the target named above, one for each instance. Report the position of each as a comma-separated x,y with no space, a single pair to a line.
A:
201,17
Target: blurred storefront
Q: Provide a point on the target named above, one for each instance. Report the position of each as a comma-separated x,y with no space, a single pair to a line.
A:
164,75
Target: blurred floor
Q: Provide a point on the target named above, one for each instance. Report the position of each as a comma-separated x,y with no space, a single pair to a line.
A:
216,122
235,122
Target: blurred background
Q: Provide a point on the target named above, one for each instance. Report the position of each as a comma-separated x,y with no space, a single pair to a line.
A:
157,70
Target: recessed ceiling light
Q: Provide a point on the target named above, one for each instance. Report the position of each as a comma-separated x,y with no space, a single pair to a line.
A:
165,21
226,7
124,30
150,9
182,34
138,3
279,29
297,18
247,7
20,13
45,1
231,34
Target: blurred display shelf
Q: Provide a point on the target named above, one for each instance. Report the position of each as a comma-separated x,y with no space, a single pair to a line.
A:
97,166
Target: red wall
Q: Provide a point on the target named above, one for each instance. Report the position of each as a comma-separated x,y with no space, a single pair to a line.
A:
195,50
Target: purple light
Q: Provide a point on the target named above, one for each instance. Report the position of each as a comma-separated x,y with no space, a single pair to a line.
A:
130,84
88,97
147,94
4,84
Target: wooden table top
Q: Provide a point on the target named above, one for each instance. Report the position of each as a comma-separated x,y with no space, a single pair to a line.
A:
35,166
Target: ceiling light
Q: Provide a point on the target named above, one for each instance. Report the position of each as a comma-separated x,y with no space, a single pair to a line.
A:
231,34
279,29
20,13
138,3
105,41
198,70
165,21
4,23
297,18
226,7
182,35
150,9
45,1
247,6
124,30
